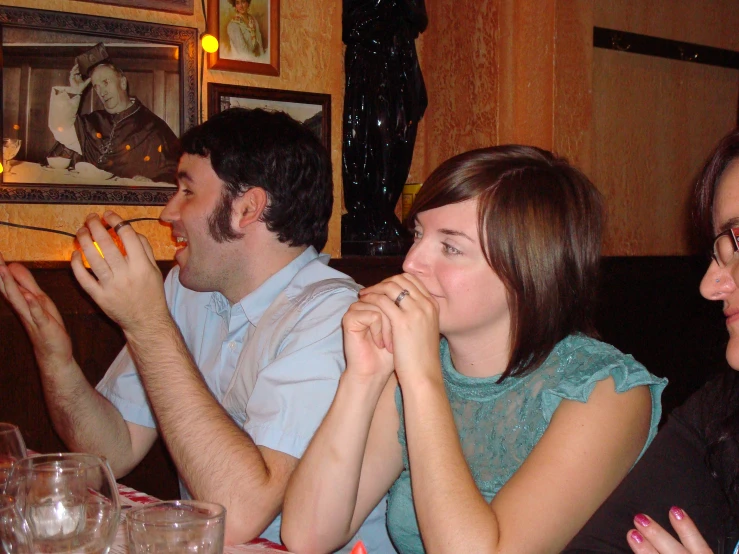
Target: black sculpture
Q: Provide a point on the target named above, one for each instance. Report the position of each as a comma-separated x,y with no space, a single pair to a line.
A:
385,97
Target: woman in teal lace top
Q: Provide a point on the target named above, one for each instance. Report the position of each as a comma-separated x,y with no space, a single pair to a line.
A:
508,434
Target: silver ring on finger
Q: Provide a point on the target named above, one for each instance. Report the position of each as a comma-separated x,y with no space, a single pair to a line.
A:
121,224
399,299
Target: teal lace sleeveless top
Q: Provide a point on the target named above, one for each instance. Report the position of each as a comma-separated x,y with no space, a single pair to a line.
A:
499,424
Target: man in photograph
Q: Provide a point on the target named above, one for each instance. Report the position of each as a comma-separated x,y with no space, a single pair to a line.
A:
124,138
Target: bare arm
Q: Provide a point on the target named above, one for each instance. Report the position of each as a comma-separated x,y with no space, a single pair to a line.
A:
354,456
584,454
84,419
350,464
217,461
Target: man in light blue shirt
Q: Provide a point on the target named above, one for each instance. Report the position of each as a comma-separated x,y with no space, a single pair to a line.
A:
235,358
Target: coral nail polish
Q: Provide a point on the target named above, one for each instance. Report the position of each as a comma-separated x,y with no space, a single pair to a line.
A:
641,519
677,513
636,536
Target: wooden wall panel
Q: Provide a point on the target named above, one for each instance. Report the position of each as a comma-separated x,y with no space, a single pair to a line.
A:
459,58
654,122
712,23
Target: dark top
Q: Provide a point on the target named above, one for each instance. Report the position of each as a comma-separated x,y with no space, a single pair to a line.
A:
674,471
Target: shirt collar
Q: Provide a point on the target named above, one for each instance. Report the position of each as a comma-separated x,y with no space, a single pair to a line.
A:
256,303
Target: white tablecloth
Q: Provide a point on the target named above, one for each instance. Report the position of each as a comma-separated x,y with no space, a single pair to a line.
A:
29,172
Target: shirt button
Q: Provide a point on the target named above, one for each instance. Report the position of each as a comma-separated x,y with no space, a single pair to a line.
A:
232,346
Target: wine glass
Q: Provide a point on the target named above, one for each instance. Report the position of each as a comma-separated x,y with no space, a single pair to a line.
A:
14,535
69,501
12,448
10,150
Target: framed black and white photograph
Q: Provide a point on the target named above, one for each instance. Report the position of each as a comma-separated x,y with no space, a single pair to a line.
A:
310,108
248,33
93,107
185,7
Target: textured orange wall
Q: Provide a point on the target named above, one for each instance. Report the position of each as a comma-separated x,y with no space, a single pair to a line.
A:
502,71
572,113
458,58
712,23
655,120
311,59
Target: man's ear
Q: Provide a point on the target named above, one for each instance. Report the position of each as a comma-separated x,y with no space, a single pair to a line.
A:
248,207
124,84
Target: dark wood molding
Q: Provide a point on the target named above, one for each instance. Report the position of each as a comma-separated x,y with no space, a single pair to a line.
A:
634,43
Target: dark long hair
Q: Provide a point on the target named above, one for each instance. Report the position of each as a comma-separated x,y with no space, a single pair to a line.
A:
540,224
722,435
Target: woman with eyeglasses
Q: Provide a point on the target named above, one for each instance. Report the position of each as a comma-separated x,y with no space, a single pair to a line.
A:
507,435
688,480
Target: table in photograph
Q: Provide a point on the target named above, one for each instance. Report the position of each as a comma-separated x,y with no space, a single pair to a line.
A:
30,172
131,497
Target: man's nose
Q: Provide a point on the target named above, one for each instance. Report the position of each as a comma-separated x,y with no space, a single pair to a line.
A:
171,211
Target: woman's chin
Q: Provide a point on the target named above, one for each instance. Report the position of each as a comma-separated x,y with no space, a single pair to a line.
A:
732,353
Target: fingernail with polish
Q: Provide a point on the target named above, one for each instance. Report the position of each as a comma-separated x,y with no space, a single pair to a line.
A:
641,519
636,537
677,513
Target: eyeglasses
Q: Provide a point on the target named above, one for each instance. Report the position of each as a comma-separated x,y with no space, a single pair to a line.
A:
725,245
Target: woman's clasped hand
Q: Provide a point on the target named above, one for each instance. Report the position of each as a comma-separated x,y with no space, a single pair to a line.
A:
408,316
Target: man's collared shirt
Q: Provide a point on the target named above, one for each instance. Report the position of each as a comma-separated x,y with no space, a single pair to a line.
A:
273,360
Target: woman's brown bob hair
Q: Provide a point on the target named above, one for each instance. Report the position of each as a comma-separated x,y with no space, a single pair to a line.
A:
540,223
704,191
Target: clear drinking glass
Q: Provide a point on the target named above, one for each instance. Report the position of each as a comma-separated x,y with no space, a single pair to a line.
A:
69,502
176,526
10,150
14,535
12,448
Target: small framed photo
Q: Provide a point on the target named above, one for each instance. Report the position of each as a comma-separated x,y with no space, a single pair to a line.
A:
310,108
248,33
93,106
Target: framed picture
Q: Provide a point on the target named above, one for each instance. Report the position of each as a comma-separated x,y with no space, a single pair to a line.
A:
248,33
177,6
310,108
93,106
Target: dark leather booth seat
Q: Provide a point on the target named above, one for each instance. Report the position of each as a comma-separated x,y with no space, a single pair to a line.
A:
648,306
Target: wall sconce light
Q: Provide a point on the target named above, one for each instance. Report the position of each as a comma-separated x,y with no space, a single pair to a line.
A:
209,43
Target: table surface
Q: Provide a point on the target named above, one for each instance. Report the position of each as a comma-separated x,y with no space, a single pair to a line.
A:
131,497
